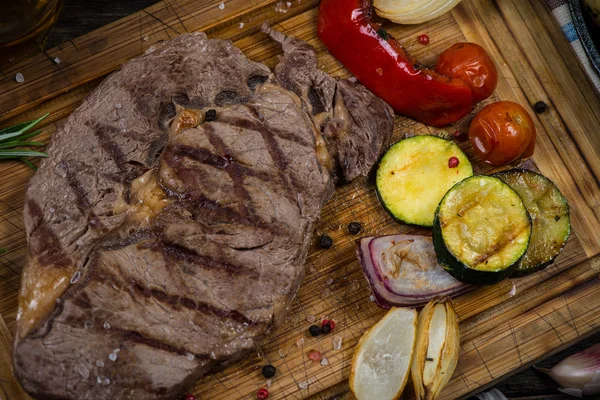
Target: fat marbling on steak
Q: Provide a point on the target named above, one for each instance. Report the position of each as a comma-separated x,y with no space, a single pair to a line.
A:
168,229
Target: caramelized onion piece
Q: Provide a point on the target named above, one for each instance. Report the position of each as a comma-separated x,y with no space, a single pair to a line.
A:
402,270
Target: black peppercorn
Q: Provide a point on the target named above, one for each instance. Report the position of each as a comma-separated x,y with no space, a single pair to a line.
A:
210,115
540,107
325,329
354,228
314,330
326,242
268,371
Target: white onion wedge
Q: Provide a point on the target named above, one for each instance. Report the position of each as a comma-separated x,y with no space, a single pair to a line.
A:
382,359
436,354
412,11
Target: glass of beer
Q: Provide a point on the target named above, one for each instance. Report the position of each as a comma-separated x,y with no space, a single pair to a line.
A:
23,27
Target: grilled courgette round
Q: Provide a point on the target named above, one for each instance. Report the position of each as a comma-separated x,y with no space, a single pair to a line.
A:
549,211
415,173
481,230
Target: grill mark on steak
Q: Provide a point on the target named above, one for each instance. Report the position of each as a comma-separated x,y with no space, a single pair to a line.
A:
81,201
193,201
137,337
256,126
315,101
103,134
50,251
135,237
228,97
245,206
272,147
174,251
204,308
205,156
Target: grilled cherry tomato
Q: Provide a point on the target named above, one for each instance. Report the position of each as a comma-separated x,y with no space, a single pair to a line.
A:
502,132
471,63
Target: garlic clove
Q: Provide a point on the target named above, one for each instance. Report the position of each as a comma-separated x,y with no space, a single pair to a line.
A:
436,354
578,374
382,360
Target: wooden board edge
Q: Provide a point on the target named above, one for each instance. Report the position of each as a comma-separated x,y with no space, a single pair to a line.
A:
9,387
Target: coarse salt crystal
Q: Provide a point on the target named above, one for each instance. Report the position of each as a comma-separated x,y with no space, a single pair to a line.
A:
19,77
337,342
106,325
56,60
83,371
87,324
112,357
311,318
221,6
329,281
241,25
324,361
302,385
145,38
371,298
269,382
300,342
190,356
281,353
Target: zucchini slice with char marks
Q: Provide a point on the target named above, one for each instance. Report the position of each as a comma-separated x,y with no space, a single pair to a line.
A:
415,173
481,230
549,211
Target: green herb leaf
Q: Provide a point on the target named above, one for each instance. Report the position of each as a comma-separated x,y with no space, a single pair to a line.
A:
16,136
20,129
8,145
6,154
29,164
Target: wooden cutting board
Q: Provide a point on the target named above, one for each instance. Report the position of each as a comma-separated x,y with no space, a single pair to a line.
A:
504,328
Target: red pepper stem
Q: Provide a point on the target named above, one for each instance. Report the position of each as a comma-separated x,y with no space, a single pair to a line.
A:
385,67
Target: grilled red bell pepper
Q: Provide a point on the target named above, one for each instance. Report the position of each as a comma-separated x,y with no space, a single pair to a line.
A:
386,68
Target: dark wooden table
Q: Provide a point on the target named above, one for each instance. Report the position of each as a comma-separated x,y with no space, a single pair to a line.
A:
81,16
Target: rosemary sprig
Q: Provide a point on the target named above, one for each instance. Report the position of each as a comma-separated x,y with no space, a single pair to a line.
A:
16,136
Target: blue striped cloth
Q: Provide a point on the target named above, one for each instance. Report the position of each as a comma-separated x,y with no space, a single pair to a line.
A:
560,10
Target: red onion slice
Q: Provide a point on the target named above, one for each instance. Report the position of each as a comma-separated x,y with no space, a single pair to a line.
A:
402,270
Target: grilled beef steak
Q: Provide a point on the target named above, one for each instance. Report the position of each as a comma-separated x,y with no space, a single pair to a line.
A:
169,226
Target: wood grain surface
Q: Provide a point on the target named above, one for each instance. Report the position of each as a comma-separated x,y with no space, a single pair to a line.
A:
504,328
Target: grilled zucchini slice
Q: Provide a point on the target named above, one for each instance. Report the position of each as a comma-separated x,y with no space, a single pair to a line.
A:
415,173
481,230
550,221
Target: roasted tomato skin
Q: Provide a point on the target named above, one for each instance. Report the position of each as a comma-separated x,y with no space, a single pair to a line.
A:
471,63
502,132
